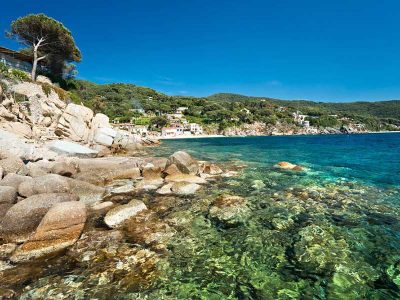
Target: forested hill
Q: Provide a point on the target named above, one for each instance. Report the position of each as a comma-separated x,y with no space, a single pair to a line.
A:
379,109
120,100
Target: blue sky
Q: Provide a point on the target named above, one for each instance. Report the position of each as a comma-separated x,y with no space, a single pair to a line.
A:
330,50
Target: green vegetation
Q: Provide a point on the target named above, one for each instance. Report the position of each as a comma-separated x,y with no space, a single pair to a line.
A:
13,74
224,110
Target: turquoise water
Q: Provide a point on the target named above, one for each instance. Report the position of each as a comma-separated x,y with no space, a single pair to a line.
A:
369,158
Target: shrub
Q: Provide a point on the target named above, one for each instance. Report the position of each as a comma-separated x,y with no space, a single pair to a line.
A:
46,88
20,75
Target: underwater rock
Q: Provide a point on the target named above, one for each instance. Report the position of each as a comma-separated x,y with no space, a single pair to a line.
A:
229,210
179,188
148,230
60,228
86,248
288,166
110,273
118,215
319,250
258,184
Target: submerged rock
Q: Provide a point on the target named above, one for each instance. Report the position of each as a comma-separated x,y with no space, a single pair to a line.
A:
118,215
60,228
288,166
179,188
229,210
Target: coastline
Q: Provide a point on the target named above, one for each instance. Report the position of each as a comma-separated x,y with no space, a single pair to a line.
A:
243,136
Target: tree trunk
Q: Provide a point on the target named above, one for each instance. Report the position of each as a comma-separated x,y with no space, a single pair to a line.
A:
34,65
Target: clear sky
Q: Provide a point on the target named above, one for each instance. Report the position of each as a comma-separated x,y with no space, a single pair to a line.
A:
329,50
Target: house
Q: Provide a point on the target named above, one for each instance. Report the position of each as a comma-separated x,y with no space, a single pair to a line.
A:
172,131
15,60
195,128
245,110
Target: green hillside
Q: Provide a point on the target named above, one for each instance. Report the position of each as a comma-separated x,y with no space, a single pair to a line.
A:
118,100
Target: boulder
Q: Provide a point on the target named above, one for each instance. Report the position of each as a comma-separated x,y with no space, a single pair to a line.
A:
104,136
12,164
14,180
101,177
185,178
8,196
184,162
210,169
18,128
1,173
60,228
71,149
33,170
172,170
150,184
6,250
67,169
23,218
87,192
150,172
50,183
75,123
118,215
17,147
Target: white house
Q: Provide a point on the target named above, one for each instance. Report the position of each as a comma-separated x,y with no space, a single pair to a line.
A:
172,131
195,128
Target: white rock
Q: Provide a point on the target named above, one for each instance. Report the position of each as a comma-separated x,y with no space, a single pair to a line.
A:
71,149
118,215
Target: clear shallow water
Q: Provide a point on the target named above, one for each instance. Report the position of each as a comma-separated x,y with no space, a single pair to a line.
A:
332,232
329,233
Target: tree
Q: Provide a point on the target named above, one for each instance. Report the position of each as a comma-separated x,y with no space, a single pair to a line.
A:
159,122
47,40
